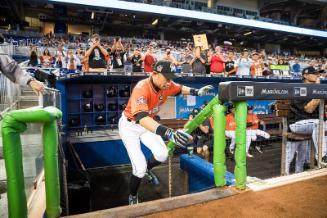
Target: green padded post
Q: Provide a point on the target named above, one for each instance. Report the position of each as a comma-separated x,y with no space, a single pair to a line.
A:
240,151
197,120
219,166
13,124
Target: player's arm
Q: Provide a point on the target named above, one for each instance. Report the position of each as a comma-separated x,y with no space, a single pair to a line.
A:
89,51
103,50
179,137
312,105
148,122
196,92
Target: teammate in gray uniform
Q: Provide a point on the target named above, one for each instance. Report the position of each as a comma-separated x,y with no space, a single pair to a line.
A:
303,119
13,72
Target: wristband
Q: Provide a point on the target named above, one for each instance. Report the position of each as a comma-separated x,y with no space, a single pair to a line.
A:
194,92
163,131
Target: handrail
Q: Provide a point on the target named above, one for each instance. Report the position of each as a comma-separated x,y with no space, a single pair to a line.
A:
13,124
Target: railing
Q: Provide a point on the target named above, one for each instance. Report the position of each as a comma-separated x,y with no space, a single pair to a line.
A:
10,96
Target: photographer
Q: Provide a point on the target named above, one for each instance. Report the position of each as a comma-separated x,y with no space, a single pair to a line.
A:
169,57
198,61
96,56
118,51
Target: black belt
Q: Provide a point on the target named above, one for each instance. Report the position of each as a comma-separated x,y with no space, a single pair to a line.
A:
130,120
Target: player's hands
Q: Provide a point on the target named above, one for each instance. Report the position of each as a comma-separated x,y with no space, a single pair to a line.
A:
180,137
204,90
37,87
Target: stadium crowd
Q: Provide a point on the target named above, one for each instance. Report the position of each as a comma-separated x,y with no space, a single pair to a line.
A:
139,55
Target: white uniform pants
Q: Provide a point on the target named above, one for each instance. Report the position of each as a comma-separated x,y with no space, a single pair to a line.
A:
251,135
301,148
310,126
132,134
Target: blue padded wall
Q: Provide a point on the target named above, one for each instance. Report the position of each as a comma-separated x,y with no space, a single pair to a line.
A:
105,153
200,173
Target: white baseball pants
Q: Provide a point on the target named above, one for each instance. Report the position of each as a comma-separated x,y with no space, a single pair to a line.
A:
132,135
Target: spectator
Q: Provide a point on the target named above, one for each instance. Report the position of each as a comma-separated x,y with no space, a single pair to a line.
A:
257,66
149,60
80,54
296,68
186,60
46,58
169,57
230,65
217,61
34,61
96,55
128,66
60,56
198,61
136,60
244,64
118,52
72,62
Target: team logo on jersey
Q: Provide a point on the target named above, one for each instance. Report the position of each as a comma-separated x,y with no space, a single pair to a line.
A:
141,100
160,98
159,68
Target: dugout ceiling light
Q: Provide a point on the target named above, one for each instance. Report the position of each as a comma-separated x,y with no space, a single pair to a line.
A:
248,33
92,15
155,22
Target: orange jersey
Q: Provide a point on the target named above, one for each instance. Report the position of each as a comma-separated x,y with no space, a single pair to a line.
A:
145,98
230,122
253,118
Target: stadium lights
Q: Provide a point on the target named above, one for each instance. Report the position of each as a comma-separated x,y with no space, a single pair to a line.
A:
155,22
248,33
177,12
92,15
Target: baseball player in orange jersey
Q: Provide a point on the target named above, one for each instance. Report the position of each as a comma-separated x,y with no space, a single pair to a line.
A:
137,124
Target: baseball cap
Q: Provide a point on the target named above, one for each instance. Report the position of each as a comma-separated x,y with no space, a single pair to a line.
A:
311,70
165,68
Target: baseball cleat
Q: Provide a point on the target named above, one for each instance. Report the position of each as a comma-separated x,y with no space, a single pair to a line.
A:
151,177
133,199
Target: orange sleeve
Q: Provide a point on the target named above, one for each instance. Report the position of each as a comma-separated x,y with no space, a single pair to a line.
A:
174,89
139,101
